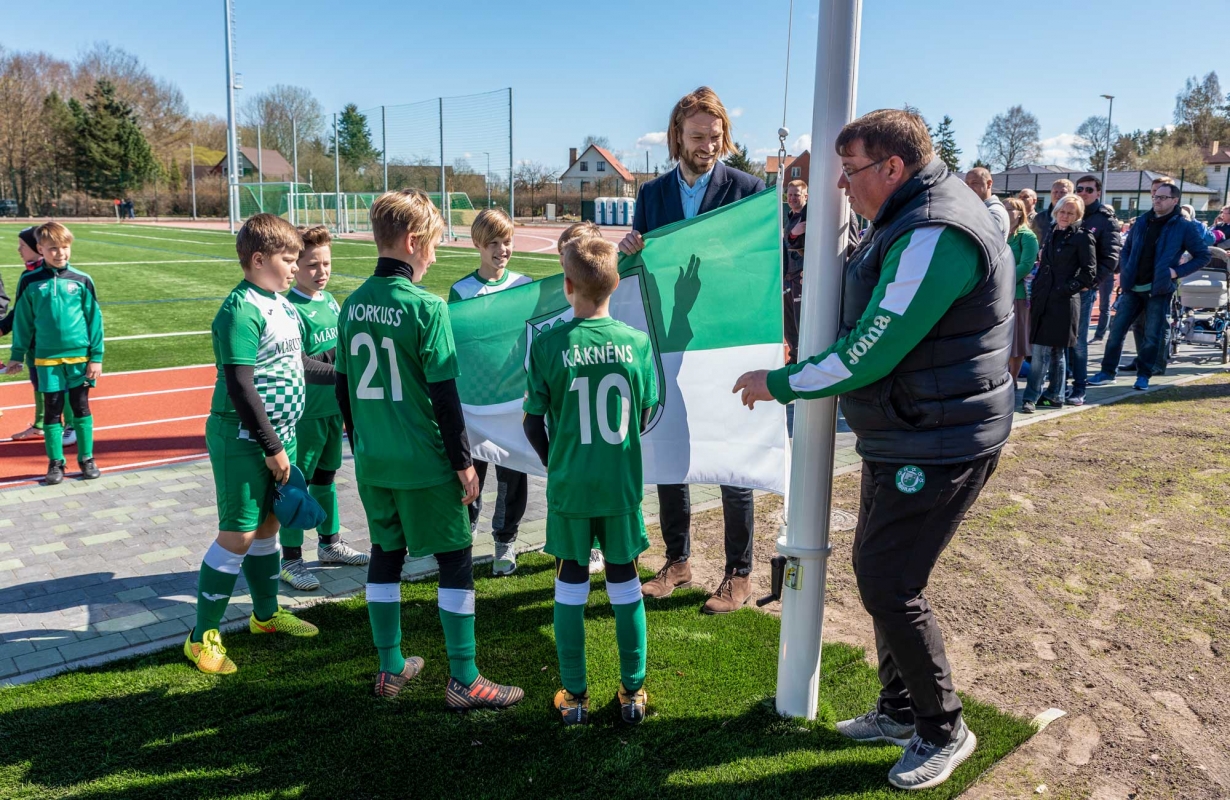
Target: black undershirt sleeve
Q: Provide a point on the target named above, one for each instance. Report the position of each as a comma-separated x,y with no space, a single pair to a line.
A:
535,427
446,404
316,370
342,392
241,388
645,414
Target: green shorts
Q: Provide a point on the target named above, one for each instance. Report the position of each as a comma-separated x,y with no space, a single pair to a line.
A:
242,481
318,444
424,521
620,538
54,378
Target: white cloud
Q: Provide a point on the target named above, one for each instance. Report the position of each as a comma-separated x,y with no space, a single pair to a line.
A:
735,112
765,151
653,139
1060,149
802,143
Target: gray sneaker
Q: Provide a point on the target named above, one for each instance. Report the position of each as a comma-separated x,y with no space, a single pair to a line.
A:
924,765
876,727
295,574
341,553
505,558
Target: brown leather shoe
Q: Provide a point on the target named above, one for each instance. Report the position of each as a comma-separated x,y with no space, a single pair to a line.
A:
673,575
731,595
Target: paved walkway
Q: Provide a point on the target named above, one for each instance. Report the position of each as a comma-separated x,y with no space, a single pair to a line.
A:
101,570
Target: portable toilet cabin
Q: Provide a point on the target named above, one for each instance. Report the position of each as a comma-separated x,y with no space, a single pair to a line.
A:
600,211
627,210
612,211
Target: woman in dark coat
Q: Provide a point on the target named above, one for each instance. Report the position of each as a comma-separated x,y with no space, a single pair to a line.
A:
1067,265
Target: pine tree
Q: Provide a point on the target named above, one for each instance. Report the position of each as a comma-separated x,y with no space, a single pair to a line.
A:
946,144
175,177
739,160
354,139
112,156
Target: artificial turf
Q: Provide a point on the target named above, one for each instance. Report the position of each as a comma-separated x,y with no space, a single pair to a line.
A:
164,280
299,719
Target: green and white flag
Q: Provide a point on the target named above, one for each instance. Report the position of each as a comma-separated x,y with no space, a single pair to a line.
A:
708,291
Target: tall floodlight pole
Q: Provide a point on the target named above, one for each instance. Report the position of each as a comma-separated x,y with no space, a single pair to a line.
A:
337,177
512,209
260,168
294,155
443,193
192,174
1106,155
384,147
487,180
806,539
232,140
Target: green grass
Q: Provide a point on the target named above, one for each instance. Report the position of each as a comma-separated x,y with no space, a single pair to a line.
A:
163,280
298,719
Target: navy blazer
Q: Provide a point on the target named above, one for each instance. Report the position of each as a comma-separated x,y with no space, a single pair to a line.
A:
659,203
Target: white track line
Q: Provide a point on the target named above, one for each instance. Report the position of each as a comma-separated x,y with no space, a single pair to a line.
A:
149,422
155,238
121,396
139,336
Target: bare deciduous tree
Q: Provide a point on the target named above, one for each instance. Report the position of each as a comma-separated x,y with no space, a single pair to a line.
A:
1011,139
275,108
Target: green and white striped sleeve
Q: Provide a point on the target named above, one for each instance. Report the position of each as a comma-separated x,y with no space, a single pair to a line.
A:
924,273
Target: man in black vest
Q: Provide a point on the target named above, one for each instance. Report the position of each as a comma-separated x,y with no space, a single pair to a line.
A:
922,369
698,137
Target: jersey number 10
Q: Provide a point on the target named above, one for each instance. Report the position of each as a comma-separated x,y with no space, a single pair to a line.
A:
365,390
616,382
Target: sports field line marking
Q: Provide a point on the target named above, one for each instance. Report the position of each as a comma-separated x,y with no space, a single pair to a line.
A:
139,336
117,467
155,238
149,422
128,263
121,396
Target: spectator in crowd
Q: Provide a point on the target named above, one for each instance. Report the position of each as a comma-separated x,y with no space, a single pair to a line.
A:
1024,247
1206,233
979,179
1044,221
1030,198
794,229
1068,265
1222,223
1149,267
1100,222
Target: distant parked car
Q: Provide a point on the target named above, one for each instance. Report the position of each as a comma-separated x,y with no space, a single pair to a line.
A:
8,208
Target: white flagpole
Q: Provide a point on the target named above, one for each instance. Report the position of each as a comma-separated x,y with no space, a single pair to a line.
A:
805,540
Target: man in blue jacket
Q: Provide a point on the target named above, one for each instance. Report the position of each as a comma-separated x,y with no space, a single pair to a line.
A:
698,137
1149,271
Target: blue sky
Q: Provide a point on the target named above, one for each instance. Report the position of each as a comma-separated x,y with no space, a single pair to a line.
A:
578,69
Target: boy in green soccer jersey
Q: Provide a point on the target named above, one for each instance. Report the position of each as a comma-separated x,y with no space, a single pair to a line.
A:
592,385
492,234
318,435
57,319
250,435
396,385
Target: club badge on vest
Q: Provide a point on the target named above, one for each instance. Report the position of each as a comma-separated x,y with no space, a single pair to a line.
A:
910,479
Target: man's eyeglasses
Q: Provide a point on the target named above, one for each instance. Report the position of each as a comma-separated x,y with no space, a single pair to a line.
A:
1157,197
849,173
1085,190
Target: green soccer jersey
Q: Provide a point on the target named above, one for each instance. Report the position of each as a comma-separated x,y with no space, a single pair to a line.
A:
260,329
393,339
592,378
319,317
473,285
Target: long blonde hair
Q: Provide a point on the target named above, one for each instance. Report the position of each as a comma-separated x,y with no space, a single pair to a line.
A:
1016,206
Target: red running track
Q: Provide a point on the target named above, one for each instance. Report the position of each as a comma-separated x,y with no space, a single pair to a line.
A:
141,419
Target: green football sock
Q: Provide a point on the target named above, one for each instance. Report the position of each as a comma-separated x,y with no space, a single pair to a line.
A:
570,645
629,608
327,497
459,642
38,411
260,568
291,537
85,437
215,584
386,625
53,441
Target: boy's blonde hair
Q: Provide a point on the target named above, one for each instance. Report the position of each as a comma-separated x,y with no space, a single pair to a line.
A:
53,233
406,211
268,234
592,264
577,230
315,236
491,225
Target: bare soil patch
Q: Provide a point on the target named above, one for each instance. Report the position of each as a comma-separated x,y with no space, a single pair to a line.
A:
1093,576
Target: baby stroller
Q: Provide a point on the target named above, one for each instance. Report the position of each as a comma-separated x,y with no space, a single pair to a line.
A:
1201,311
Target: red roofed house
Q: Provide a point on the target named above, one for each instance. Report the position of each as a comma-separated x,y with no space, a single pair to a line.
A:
1217,171
274,167
600,171
796,168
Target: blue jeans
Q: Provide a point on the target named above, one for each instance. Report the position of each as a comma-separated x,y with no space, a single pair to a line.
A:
1047,362
1106,292
1156,330
1078,354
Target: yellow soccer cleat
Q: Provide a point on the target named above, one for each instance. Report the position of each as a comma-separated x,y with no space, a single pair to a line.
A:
283,622
209,655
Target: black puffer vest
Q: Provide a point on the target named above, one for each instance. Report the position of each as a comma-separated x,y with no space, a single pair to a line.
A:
951,398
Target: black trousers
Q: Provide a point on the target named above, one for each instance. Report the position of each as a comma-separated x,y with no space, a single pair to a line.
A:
792,304
511,496
675,517
903,525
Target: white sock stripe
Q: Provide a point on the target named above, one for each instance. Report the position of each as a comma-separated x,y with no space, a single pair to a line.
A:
571,594
384,592
263,547
458,601
219,558
625,593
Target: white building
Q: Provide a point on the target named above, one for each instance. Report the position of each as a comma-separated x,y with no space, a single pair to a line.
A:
597,172
1217,171
1126,190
